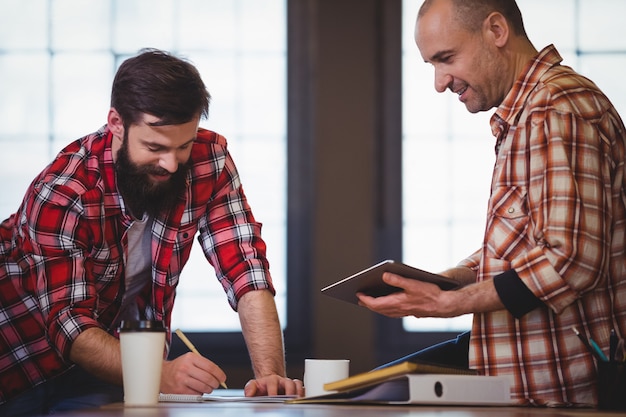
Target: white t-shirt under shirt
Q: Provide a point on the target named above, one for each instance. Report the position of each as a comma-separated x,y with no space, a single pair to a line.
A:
138,264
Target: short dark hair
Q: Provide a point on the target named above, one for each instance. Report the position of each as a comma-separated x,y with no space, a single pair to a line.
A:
157,83
472,13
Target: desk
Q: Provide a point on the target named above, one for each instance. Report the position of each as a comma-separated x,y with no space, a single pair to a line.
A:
230,409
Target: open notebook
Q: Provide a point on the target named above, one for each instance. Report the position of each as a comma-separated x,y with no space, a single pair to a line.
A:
223,395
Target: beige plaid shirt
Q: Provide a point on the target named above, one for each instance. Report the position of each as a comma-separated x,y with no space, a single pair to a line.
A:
557,216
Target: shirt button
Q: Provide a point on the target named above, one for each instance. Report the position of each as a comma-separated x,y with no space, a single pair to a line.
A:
511,210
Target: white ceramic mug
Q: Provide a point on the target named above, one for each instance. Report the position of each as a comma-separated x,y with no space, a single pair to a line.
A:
143,346
318,372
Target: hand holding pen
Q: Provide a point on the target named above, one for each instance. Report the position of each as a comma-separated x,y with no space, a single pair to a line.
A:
192,348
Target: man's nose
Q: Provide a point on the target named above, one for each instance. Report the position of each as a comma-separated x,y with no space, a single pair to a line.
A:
169,162
442,81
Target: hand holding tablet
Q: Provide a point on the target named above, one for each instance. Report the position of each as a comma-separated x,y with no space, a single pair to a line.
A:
370,281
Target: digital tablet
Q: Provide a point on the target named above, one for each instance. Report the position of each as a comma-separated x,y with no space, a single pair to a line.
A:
370,281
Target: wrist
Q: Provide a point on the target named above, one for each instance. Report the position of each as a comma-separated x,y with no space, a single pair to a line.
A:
451,303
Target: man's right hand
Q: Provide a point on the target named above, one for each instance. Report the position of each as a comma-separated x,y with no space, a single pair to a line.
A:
190,374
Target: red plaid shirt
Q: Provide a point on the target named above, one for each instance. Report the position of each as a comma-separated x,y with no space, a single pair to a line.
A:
557,216
62,253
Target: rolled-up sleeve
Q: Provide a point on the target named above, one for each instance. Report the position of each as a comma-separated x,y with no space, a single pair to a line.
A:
231,237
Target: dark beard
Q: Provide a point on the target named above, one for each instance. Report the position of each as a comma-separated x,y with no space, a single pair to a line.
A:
140,193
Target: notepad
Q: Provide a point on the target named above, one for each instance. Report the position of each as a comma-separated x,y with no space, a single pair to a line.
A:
213,397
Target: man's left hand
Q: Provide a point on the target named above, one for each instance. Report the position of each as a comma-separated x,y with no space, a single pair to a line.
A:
273,385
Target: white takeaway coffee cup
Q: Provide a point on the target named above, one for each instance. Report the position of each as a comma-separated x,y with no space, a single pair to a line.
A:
142,344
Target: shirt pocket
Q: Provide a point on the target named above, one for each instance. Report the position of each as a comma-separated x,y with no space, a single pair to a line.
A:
185,237
106,264
508,222
182,249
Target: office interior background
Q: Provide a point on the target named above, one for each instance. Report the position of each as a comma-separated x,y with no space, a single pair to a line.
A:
346,152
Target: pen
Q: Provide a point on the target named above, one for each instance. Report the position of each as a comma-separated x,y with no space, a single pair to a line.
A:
192,348
620,355
591,346
597,349
613,345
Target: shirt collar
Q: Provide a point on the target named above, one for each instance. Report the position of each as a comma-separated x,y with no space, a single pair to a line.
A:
112,199
515,100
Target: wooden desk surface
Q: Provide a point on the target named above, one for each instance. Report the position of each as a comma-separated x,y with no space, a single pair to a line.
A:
215,409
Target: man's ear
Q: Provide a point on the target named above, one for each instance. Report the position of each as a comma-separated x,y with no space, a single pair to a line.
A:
115,123
496,28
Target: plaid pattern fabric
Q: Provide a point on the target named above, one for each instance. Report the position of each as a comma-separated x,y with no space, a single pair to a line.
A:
557,216
61,254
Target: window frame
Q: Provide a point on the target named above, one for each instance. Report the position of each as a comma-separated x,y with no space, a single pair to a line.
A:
229,348
392,340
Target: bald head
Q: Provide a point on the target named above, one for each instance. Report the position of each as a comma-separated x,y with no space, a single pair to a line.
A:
471,14
474,47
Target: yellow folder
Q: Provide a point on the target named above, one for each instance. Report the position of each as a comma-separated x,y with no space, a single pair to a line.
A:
382,374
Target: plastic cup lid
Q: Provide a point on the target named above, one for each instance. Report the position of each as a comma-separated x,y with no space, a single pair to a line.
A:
142,326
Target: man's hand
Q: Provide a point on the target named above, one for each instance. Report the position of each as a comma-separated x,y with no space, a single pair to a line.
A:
419,299
190,374
423,299
274,385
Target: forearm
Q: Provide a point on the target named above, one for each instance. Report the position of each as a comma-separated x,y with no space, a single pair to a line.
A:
461,274
422,299
506,290
262,332
98,352
478,297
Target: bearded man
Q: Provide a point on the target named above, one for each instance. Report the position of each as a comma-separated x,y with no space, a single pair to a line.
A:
102,235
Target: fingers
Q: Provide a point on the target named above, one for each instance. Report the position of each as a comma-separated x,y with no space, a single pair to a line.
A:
291,387
274,385
191,374
204,376
385,307
397,280
395,305
251,389
298,387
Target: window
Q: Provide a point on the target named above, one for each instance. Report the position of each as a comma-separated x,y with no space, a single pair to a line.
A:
57,62
448,152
